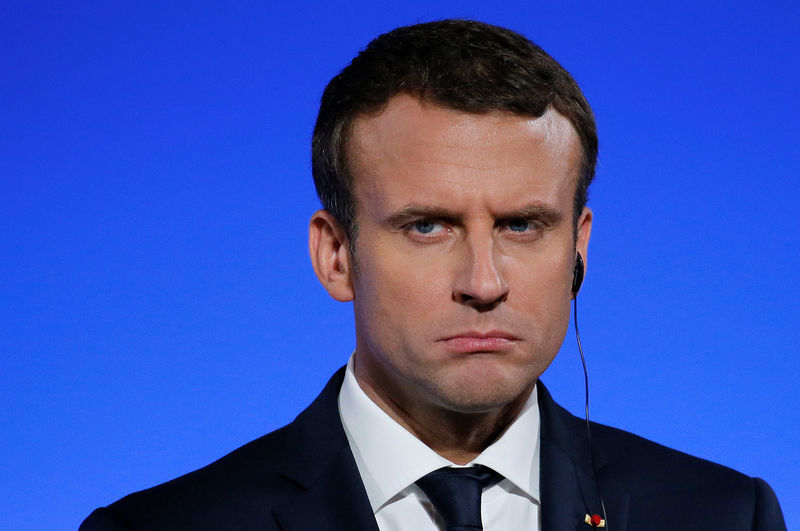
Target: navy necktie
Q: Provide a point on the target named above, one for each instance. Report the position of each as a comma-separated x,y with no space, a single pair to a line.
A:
456,494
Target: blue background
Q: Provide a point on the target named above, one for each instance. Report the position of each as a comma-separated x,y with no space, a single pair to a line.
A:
157,306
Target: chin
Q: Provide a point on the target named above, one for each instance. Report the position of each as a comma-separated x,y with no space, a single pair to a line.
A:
478,393
472,404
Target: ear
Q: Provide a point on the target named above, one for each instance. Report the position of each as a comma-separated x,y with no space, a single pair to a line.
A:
330,255
583,234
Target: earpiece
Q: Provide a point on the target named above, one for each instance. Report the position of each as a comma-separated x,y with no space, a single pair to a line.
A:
577,280
577,274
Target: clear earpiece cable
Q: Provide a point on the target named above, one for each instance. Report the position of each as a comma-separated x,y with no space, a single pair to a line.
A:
586,402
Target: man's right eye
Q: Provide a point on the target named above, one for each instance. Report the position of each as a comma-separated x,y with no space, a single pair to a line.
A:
426,227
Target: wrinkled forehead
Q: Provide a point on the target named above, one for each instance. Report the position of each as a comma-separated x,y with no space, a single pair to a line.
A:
409,131
414,151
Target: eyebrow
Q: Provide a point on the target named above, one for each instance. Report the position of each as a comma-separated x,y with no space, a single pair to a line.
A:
544,214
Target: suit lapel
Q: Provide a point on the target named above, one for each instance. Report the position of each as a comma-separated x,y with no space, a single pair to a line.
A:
563,508
321,463
567,484
334,501
332,496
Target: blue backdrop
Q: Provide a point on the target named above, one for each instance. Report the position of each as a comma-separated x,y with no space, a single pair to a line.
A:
157,306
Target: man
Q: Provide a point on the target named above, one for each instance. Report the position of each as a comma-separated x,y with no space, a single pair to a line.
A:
453,160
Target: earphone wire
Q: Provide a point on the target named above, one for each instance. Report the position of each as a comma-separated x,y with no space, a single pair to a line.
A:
586,403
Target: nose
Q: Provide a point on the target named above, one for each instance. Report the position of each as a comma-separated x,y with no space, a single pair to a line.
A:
479,282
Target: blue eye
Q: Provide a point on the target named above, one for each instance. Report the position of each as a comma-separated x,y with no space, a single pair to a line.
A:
519,225
425,226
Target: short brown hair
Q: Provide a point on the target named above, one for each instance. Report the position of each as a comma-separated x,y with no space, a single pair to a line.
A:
460,64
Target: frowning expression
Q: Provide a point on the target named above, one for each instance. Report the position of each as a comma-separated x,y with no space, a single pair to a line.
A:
465,250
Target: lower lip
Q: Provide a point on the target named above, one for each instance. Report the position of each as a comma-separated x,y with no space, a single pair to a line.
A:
478,344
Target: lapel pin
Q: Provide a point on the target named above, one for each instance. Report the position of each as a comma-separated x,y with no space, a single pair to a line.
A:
595,520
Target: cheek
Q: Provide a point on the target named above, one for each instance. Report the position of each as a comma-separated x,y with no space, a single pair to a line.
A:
399,289
544,274
541,290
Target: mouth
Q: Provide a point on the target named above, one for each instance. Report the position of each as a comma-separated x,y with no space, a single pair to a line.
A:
473,341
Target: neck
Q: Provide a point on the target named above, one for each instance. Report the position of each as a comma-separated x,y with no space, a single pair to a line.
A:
458,436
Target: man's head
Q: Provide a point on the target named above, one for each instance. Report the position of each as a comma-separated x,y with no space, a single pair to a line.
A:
457,147
464,65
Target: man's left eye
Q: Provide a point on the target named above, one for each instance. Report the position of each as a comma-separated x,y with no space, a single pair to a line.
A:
519,225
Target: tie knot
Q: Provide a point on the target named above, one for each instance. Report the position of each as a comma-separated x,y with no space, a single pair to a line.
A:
456,494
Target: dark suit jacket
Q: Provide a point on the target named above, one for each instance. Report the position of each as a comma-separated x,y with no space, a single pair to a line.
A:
303,477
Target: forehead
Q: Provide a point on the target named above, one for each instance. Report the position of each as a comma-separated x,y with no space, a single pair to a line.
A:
413,148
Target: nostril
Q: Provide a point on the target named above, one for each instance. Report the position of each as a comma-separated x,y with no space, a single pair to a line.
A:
479,303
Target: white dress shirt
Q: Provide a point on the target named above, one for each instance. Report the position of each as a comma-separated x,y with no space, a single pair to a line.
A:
390,459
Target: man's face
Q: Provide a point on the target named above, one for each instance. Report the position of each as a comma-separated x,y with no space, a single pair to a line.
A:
465,252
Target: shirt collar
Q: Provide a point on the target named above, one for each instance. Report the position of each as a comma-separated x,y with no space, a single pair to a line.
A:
390,458
515,454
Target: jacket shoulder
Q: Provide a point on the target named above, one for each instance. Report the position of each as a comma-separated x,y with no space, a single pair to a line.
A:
241,489
666,485
651,486
245,483
635,458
